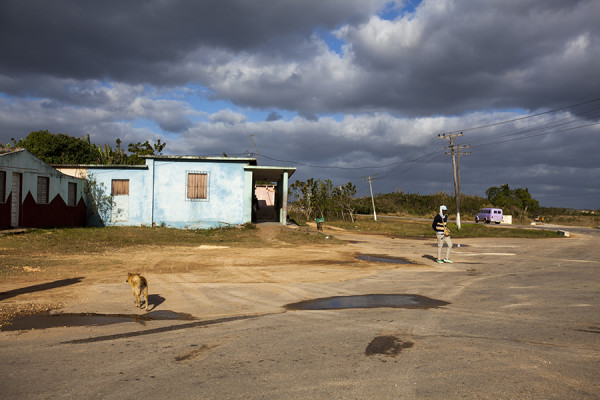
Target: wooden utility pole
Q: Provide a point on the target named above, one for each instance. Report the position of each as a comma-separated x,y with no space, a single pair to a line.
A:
455,151
370,178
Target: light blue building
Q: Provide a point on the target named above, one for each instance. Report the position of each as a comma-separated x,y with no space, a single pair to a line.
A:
185,191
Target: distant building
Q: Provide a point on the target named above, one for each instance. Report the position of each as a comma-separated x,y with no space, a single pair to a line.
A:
185,191
35,195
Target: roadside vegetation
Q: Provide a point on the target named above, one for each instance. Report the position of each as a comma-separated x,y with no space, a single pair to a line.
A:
321,199
94,240
422,229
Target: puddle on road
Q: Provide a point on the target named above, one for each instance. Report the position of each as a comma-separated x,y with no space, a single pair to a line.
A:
368,301
383,259
47,320
387,345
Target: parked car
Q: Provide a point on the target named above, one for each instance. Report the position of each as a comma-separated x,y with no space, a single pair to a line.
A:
488,215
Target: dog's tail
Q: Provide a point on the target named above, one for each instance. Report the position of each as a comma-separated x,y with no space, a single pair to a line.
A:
145,291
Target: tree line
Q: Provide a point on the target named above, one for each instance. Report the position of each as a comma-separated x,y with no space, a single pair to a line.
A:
64,149
314,198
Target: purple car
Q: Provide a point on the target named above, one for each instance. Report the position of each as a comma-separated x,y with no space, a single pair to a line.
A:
488,215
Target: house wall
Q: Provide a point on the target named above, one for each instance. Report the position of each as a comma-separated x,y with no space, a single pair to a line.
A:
157,194
225,198
136,207
56,212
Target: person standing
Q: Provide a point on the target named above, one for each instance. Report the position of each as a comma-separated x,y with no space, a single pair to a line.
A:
442,234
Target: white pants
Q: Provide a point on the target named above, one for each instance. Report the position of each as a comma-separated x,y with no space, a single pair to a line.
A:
441,239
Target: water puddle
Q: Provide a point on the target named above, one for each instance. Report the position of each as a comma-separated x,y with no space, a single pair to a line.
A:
382,259
368,301
47,320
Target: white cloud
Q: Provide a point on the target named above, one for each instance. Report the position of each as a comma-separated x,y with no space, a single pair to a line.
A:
228,116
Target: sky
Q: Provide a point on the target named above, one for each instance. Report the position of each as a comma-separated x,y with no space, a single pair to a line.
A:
340,89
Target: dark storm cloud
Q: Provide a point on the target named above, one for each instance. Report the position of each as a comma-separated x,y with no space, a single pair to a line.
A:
274,116
138,41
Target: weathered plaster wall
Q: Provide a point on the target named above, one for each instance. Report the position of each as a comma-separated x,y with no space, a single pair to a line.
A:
139,202
157,194
225,198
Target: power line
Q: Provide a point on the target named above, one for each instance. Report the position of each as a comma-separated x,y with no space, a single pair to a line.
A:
531,116
410,159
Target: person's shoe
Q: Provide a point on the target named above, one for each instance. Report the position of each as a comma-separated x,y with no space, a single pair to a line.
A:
447,261
440,261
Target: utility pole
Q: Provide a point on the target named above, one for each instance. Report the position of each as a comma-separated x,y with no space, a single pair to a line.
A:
255,151
455,151
370,178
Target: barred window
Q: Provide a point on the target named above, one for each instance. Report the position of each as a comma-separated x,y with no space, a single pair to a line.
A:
120,187
2,186
197,185
72,194
43,186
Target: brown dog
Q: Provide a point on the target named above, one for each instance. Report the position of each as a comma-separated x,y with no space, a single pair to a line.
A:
139,286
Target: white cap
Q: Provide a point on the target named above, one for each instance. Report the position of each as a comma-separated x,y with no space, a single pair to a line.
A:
444,208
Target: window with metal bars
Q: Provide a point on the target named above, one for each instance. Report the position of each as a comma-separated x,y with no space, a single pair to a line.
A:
197,186
43,187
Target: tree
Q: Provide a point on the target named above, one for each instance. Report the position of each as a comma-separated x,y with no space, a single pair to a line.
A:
143,149
525,199
316,198
303,195
100,202
57,149
106,155
64,149
505,197
344,199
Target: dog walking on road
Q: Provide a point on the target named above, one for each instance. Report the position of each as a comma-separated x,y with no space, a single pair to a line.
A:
139,286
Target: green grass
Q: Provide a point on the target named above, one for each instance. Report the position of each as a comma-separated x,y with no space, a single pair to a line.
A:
91,240
422,229
65,241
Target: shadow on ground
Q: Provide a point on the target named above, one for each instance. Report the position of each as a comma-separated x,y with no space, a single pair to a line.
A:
40,287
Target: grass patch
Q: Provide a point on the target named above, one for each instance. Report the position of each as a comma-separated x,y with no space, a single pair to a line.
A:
93,240
422,229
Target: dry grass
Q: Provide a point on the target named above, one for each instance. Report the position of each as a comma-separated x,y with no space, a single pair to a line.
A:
422,229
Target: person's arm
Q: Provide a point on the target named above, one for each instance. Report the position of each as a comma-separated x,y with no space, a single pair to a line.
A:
436,222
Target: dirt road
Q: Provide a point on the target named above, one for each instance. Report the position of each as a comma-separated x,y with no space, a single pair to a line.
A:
519,320
207,281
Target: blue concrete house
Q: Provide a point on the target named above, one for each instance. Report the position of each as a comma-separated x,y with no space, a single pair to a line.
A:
185,191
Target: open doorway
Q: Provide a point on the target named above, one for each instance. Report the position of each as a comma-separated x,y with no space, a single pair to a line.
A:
269,192
266,203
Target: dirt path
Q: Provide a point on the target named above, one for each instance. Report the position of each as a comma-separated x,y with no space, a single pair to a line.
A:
205,281
216,281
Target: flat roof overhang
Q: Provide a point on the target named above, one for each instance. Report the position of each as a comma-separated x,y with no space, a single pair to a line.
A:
270,174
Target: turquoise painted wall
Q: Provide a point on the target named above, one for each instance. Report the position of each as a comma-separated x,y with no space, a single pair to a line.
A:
157,194
139,210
